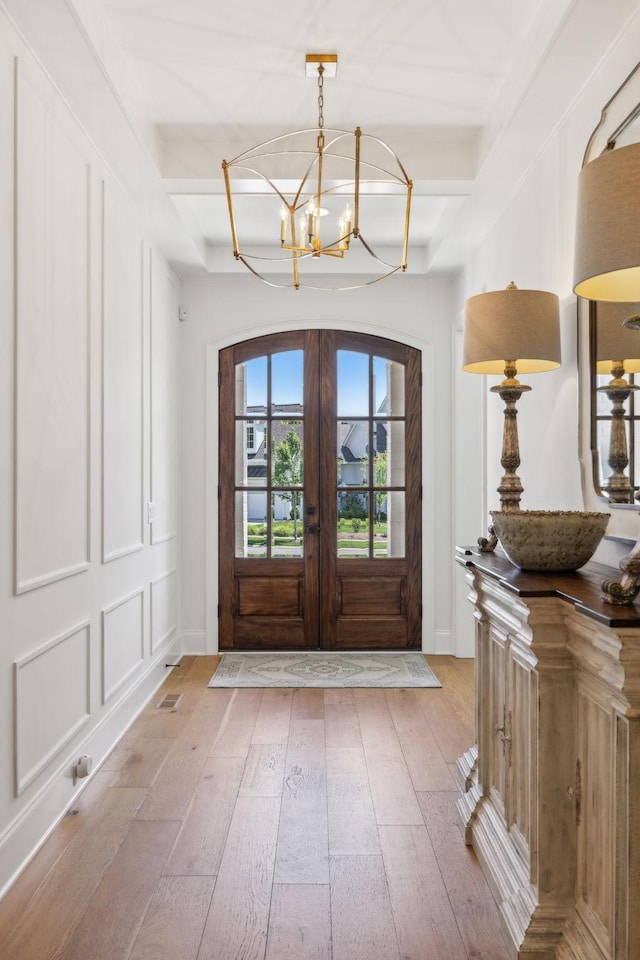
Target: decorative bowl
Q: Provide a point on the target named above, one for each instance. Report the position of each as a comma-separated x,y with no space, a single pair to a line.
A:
551,540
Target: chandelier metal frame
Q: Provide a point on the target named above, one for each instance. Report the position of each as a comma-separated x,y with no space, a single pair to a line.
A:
302,209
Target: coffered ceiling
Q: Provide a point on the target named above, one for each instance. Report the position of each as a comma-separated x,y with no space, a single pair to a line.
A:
465,93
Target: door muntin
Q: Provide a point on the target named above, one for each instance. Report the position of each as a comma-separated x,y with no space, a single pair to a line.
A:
269,455
370,441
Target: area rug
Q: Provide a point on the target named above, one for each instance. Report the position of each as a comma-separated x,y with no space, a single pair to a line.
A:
323,670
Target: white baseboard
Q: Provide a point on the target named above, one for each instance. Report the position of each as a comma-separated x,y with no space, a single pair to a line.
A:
194,643
443,643
173,652
27,832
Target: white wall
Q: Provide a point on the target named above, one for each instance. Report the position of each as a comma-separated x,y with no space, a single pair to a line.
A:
89,601
225,310
531,242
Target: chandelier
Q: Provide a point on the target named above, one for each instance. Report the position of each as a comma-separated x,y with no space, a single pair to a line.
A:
328,186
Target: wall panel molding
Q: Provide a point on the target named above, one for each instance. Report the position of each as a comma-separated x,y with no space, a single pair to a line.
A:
163,539
123,379
164,398
52,701
52,414
122,642
40,809
164,621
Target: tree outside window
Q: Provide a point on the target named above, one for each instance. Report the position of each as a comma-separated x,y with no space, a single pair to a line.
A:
380,480
287,472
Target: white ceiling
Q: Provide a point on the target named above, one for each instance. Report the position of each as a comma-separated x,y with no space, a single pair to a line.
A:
215,80
418,63
442,81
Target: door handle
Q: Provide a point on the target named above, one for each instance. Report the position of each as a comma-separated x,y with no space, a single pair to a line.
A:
313,528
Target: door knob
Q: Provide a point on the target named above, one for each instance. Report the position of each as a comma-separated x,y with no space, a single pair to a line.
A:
313,528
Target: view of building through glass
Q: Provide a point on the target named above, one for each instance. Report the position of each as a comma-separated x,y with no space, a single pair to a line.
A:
270,444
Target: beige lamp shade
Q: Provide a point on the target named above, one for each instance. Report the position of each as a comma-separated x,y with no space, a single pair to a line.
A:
615,342
511,325
607,254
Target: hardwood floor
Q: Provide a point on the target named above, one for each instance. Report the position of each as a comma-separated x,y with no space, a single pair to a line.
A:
267,825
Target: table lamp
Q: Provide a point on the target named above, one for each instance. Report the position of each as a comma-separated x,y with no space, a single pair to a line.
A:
617,353
507,332
607,251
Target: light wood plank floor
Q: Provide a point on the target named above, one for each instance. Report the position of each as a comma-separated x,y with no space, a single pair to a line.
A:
267,825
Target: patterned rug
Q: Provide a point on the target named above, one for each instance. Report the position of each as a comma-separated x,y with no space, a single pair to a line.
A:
323,670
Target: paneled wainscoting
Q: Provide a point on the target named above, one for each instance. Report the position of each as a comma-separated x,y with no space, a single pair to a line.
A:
267,824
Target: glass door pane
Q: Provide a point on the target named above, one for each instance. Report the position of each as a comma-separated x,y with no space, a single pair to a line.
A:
353,525
250,523
371,456
353,384
287,531
287,382
269,452
388,387
251,386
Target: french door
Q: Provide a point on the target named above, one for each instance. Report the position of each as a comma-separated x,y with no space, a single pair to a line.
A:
320,493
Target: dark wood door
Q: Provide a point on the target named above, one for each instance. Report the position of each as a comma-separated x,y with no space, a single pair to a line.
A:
320,493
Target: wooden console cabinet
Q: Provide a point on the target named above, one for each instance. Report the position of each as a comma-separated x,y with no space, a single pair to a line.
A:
551,800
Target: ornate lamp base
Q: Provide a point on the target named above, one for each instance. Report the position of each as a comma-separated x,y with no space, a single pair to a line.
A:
510,488
618,487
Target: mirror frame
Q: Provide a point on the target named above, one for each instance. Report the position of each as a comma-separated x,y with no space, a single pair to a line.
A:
617,115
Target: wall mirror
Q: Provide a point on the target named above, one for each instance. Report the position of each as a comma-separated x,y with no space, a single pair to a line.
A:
610,385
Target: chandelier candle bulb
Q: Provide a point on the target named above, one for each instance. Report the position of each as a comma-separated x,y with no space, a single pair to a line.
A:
347,225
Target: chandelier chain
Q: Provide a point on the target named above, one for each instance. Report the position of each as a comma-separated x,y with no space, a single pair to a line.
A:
320,106
320,97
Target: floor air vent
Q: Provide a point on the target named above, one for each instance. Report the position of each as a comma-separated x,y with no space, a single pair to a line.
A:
170,701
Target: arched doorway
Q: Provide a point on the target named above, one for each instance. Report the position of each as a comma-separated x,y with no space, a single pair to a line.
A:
319,493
